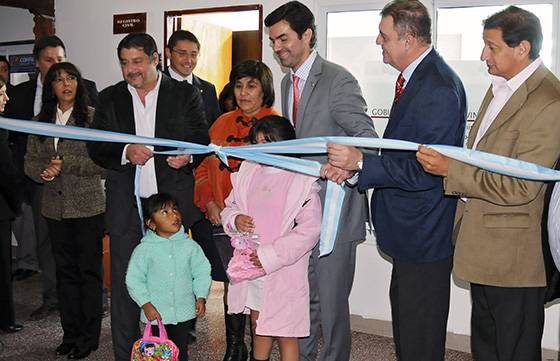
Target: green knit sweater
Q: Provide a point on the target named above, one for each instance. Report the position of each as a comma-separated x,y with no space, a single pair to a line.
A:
171,273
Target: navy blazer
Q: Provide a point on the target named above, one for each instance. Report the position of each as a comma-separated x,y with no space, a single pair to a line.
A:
209,97
413,219
180,116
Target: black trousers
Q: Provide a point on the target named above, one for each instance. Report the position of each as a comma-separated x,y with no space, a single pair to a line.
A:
419,295
179,334
507,323
44,249
77,249
202,233
6,296
125,313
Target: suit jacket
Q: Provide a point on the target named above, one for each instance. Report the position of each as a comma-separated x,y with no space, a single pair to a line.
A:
332,104
209,98
9,187
20,106
412,217
77,192
179,115
499,228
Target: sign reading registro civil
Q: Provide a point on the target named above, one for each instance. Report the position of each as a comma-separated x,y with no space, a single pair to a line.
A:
129,23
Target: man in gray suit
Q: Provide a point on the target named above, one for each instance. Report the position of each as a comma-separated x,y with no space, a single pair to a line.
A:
323,99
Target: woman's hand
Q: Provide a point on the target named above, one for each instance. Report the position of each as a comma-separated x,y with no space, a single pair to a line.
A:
213,211
200,307
150,312
244,223
254,258
53,169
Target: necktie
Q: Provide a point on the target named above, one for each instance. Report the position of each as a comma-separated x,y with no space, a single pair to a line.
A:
295,86
399,88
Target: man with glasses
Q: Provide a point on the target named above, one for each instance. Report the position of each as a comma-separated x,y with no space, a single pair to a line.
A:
183,49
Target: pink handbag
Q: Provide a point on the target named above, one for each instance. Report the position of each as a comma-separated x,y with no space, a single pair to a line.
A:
240,268
154,348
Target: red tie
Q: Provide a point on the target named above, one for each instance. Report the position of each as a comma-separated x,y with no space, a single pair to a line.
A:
399,88
295,82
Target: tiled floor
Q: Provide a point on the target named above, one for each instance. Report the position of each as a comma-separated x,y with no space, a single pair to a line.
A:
39,338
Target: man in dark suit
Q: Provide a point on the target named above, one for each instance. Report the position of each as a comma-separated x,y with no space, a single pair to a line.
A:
25,103
183,49
412,218
9,206
330,103
146,103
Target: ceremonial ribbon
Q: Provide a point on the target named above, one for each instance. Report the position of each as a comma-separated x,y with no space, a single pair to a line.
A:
268,154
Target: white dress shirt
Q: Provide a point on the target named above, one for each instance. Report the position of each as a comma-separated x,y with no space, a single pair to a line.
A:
502,90
145,123
38,96
179,77
61,119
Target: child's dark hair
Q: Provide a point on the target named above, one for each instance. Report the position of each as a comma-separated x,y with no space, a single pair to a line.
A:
274,128
156,202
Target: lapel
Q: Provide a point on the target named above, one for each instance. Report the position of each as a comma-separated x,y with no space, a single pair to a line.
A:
411,89
310,83
163,110
285,94
517,100
476,125
124,110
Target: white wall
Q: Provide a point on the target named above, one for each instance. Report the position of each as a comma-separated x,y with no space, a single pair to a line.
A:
86,28
15,24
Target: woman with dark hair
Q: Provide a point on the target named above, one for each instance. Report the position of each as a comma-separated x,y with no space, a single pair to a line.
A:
73,204
253,91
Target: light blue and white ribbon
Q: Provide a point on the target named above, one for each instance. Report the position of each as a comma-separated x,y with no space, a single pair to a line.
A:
268,154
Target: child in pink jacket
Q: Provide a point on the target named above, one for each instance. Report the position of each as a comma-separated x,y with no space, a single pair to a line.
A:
284,210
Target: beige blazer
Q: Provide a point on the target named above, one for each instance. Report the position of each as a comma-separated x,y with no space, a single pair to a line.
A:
77,192
498,230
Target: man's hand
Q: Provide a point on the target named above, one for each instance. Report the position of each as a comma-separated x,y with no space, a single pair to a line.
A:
343,156
335,174
150,312
244,223
178,161
138,154
433,162
200,307
213,211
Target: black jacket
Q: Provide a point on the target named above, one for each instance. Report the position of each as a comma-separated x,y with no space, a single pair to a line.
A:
209,98
179,115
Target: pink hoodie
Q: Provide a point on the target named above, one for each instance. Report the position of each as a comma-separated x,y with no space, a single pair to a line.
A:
285,298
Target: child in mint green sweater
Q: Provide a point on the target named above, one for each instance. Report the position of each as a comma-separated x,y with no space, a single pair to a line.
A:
168,275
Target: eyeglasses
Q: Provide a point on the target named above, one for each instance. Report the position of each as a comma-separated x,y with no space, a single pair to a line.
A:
68,79
184,53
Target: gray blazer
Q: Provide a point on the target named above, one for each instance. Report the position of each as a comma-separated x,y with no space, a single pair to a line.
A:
77,192
332,104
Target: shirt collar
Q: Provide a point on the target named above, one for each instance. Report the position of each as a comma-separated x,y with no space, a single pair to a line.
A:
179,77
305,68
409,70
499,83
39,81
